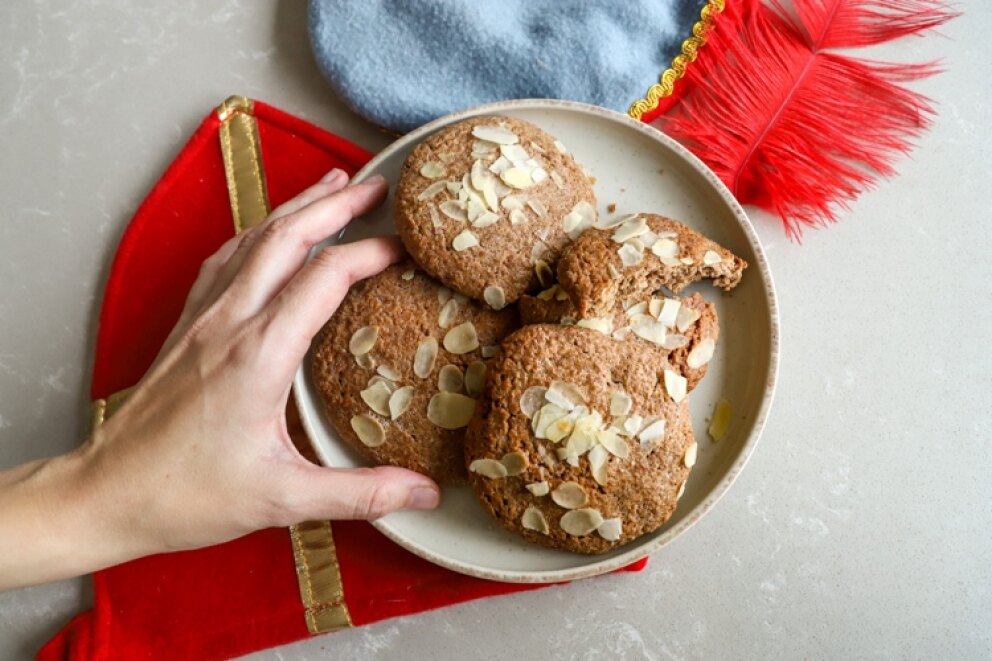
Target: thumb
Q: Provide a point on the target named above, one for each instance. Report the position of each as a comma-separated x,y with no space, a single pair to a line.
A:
364,493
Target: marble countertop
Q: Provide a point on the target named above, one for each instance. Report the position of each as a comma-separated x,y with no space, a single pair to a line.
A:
861,526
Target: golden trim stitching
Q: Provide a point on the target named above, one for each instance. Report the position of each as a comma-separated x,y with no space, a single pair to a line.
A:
690,49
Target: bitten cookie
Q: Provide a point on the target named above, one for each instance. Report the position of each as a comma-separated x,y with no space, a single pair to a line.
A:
400,365
639,254
483,204
579,442
684,330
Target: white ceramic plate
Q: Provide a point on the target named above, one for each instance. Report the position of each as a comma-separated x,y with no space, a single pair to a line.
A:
640,170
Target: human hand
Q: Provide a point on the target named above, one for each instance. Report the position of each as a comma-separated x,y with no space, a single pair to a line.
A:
200,452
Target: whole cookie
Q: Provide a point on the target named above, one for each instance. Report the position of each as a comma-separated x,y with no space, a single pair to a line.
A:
380,361
684,330
577,443
639,254
482,204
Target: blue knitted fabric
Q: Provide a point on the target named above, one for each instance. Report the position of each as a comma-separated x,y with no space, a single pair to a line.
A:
401,63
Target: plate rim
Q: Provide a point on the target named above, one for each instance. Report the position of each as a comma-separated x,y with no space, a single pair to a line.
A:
594,568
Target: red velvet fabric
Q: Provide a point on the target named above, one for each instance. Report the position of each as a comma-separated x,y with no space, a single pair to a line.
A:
241,596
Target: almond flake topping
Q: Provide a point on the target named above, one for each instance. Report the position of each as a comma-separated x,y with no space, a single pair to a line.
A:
362,340
488,468
369,430
461,339
533,519
497,134
432,170
399,401
464,241
675,384
423,359
581,522
494,297
711,257
450,379
450,410
701,353
539,488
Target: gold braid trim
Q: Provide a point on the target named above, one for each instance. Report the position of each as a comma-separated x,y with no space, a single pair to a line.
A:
690,49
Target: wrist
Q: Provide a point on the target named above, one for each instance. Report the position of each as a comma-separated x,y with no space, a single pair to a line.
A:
58,520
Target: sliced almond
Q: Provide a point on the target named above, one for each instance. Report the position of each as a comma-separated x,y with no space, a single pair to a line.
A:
581,522
488,468
602,324
464,241
690,455
539,209
490,350
517,216
388,372
549,414
629,255
450,379
711,257
514,153
620,403
559,429
497,134
654,431
538,488
669,312
450,410
665,248
443,295
380,379
408,275
610,529
675,385
454,210
681,491
461,339
475,377
538,175
432,170
533,519
514,462
485,219
614,443
630,229
423,359
494,297
570,495
369,430
612,270
650,330
532,400
399,401
674,341
432,190
564,394
365,361
516,178
633,425
686,318
720,422
484,146
637,309
363,339
377,398
558,180
448,312
701,353
598,466
512,202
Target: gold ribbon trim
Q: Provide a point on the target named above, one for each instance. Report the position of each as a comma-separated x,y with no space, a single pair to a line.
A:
319,576
690,49
242,151
315,556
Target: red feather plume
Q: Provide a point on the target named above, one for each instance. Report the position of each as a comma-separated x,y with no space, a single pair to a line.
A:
791,126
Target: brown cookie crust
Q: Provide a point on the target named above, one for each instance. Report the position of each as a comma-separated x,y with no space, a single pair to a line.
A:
405,311
641,489
592,273
506,253
534,310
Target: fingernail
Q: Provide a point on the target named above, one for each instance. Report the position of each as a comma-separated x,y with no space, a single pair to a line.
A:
374,180
334,174
423,498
